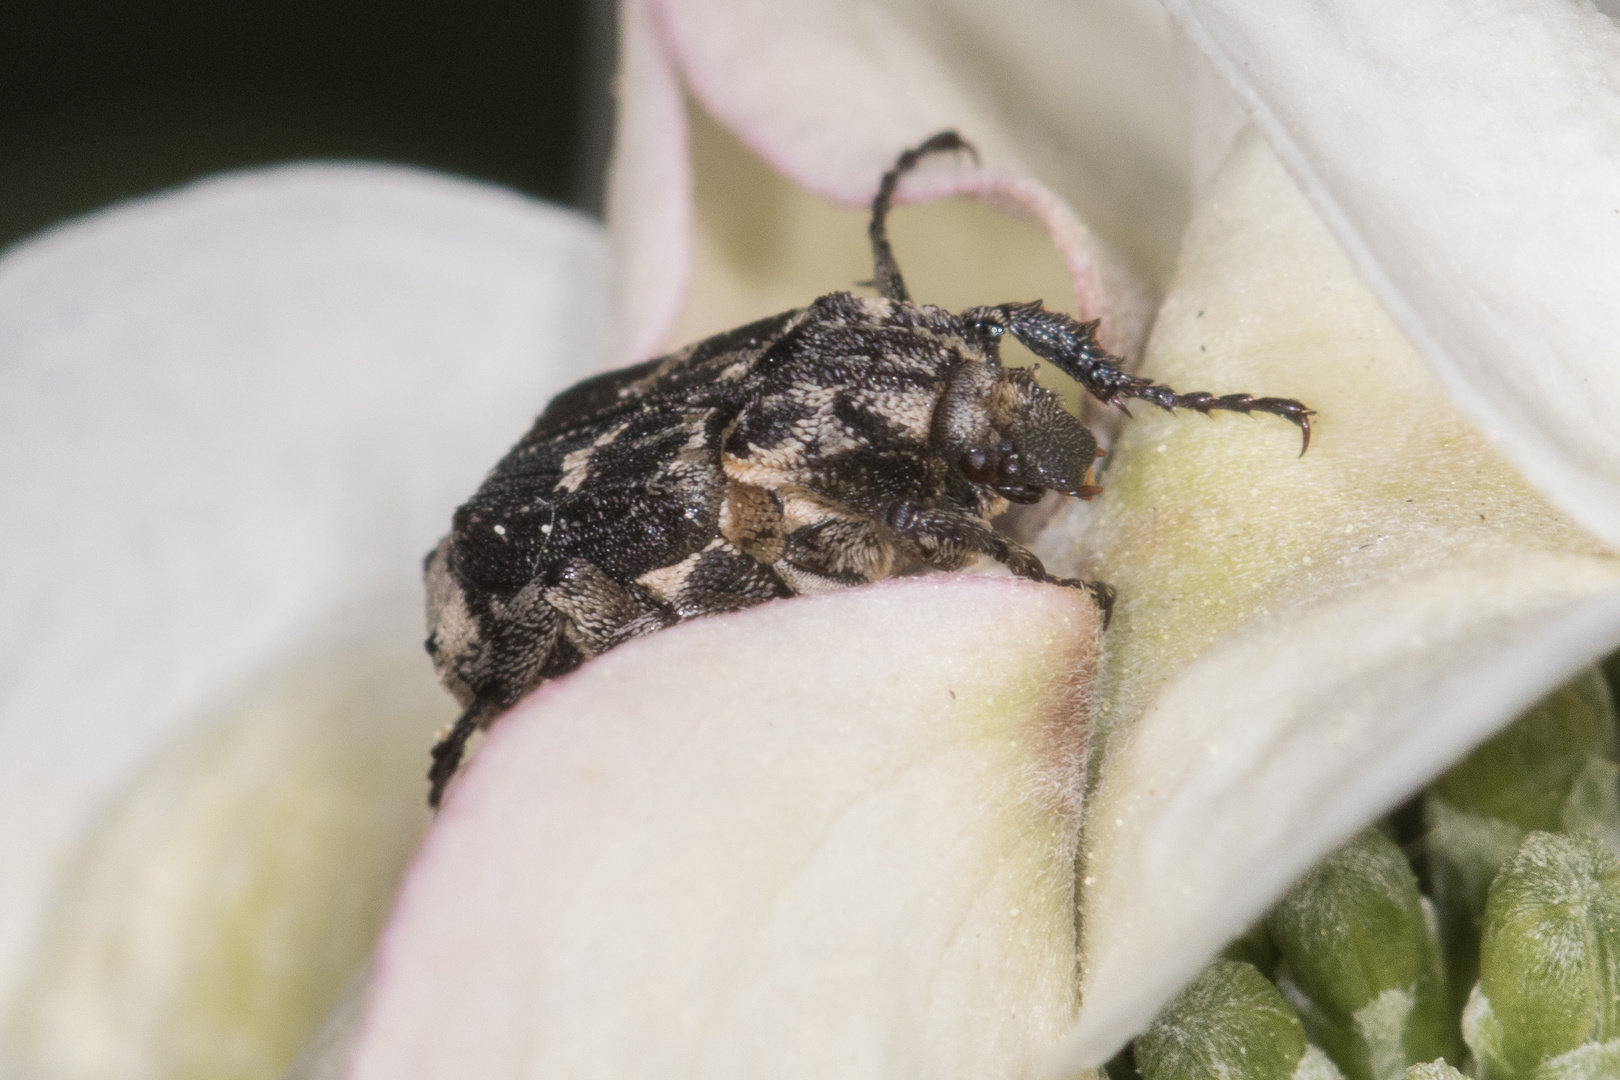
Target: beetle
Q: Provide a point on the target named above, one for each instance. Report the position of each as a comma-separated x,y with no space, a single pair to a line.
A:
817,449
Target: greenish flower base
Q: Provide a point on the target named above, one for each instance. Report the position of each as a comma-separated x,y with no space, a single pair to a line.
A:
1486,945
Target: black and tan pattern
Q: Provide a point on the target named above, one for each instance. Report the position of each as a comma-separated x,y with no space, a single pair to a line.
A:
814,450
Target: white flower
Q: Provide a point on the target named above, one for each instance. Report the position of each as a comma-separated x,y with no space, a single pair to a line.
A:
237,415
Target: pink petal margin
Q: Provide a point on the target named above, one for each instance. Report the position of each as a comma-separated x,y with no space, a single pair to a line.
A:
827,95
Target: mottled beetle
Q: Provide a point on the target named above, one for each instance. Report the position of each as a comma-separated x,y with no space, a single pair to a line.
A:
813,450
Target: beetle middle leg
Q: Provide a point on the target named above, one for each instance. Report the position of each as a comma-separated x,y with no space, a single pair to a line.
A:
718,579
835,551
598,612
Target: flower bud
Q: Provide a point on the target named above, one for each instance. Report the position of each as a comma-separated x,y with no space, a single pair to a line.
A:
1434,1070
1551,769
1525,774
1232,1023
1362,959
1594,1061
1549,962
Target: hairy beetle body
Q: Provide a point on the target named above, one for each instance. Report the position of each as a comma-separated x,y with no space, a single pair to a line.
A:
813,450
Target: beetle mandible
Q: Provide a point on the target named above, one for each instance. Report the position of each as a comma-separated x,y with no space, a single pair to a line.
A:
817,449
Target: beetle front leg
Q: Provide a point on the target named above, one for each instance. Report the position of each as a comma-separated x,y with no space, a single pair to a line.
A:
1072,347
948,538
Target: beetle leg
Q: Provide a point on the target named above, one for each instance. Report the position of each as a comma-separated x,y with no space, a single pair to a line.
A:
598,612
885,271
447,752
717,579
947,538
1101,592
1072,346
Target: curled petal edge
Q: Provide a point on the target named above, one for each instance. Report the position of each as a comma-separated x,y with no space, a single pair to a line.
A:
1232,804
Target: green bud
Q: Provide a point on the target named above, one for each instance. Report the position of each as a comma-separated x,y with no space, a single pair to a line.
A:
1362,957
1465,853
1595,1061
1549,973
1610,666
1524,775
1231,1023
1592,807
1434,1070
1551,769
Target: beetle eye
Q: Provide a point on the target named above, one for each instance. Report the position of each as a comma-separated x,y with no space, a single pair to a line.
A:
976,466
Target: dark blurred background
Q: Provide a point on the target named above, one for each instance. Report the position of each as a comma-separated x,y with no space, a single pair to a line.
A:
101,100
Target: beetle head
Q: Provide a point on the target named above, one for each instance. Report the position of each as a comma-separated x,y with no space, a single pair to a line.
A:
1007,433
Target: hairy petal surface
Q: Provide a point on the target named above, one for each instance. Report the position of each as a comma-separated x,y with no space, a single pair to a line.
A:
1467,157
1299,642
710,854
231,421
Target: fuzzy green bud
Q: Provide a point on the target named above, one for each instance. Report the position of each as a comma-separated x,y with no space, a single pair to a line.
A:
1433,1070
1232,1023
1525,774
1551,769
1549,962
1594,1061
1361,959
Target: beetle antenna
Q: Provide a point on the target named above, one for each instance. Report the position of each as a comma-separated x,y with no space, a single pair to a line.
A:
885,271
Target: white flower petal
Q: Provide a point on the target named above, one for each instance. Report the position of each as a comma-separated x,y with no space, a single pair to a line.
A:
828,92
1095,96
829,95
219,902
762,246
649,190
1218,810
231,421
1467,156
709,854
1299,641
